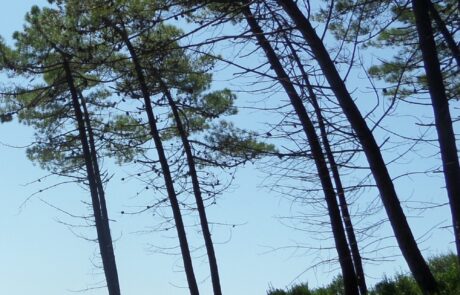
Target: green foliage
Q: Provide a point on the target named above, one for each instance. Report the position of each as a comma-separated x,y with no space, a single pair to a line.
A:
124,138
401,284
171,70
391,24
43,99
447,271
444,267
235,142
300,290
405,70
217,9
334,288
88,34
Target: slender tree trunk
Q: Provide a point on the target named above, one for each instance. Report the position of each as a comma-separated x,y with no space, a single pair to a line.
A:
349,276
101,193
448,37
401,229
107,261
443,121
357,261
187,259
196,190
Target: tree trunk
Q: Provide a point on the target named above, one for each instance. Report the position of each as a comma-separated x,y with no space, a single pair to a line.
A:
349,276
196,190
442,118
357,261
101,193
448,37
187,259
108,259
401,229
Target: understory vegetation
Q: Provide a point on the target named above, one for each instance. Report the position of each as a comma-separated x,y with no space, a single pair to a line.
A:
445,269
344,111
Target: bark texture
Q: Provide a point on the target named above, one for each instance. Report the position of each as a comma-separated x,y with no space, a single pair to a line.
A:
185,250
346,264
401,229
442,117
448,37
355,253
101,219
196,191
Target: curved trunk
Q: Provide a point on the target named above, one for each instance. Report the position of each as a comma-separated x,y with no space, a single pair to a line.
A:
107,260
197,192
349,276
401,229
187,259
357,261
442,118
100,188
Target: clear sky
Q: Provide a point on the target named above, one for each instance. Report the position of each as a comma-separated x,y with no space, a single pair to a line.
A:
40,254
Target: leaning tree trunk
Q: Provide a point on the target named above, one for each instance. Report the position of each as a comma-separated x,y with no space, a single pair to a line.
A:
442,118
196,190
108,258
186,256
448,37
357,261
349,276
396,216
101,193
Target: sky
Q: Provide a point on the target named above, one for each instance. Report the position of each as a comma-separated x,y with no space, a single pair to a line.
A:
41,254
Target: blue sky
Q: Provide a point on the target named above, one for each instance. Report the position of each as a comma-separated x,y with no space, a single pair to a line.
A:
39,254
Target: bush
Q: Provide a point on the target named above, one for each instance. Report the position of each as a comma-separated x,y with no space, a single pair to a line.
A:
445,268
